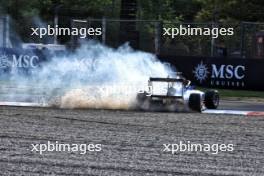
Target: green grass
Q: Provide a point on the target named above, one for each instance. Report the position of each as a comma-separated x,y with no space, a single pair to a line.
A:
237,93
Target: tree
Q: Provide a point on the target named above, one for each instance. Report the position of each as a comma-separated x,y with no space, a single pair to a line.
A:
231,10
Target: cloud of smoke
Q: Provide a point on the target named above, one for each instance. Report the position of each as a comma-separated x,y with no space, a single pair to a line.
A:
96,76
93,76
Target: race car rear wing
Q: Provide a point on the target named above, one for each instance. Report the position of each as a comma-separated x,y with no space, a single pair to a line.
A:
167,79
166,96
181,79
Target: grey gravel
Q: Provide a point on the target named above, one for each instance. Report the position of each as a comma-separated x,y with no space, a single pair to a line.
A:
132,142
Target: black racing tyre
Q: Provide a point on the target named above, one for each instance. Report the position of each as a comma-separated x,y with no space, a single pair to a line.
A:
211,99
142,101
195,102
141,97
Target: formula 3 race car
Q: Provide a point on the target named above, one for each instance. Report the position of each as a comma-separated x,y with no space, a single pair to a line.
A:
170,93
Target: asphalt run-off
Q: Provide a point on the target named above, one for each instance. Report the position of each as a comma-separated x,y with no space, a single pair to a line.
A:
226,107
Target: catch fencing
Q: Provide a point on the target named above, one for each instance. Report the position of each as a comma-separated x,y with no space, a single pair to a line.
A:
247,40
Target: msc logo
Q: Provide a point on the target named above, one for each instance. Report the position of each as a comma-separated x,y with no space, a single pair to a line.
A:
228,71
201,72
19,61
4,62
225,75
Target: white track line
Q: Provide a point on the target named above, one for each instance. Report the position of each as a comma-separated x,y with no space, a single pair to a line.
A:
234,112
30,104
207,111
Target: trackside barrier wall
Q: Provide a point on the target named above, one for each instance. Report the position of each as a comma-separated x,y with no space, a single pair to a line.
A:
19,60
229,73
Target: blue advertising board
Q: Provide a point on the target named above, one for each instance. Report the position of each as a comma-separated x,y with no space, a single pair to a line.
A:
229,73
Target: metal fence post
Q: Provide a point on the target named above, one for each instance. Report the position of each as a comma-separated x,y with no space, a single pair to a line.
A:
104,30
7,40
157,40
212,42
56,21
4,31
72,42
242,40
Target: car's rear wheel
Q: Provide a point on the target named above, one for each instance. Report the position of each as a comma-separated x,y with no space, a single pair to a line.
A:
143,102
211,99
195,102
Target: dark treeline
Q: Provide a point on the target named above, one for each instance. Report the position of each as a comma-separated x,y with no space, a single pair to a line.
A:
182,10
